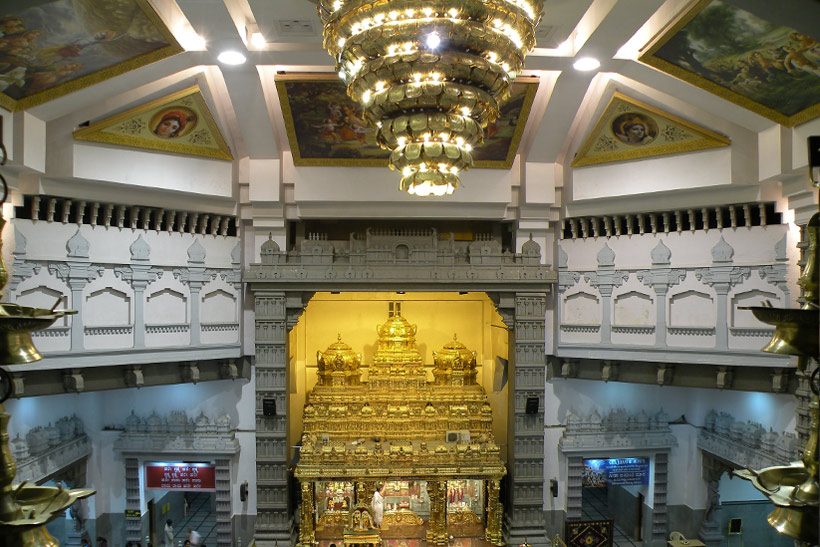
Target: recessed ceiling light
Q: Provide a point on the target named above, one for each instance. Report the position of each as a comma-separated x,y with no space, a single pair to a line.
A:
231,57
258,40
586,64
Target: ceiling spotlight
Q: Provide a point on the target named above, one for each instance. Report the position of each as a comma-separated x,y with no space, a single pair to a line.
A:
231,57
585,64
258,40
433,40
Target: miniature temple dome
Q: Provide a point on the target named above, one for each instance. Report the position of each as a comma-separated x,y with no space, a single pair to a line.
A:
454,363
338,364
397,329
661,254
338,357
269,247
140,250
531,248
77,246
722,251
196,252
606,256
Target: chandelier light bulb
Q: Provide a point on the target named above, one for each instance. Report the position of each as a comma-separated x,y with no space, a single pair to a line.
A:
585,64
406,68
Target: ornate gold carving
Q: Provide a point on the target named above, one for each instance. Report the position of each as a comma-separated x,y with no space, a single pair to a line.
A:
401,517
463,517
393,424
330,519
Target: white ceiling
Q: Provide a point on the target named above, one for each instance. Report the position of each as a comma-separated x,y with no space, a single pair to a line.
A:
245,102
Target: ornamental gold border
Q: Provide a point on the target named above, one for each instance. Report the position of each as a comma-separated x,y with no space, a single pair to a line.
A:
94,133
697,80
709,138
14,105
531,82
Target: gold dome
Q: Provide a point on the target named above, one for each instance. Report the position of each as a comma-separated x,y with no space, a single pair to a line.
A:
397,329
338,362
454,363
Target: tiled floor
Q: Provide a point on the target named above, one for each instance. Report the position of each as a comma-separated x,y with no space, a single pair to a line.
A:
594,506
200,518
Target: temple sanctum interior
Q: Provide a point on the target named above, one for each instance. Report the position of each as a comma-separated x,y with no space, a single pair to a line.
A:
409,273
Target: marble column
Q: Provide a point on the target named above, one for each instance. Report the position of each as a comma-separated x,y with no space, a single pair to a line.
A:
711,532
661,277
605,279
722,276
195,277
139,274
76,272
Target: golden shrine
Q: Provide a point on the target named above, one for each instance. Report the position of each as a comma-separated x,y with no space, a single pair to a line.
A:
429,442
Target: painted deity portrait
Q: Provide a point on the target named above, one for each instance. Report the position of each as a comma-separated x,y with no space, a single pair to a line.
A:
768,68
174,122
634,128
48,48
326,127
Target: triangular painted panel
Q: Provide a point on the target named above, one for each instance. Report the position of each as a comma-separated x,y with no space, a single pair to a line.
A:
629,129
179,123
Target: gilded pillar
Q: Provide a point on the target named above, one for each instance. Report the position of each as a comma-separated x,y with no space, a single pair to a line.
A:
495,511
307,535
437,525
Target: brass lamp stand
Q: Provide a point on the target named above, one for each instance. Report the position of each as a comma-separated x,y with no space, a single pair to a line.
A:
794,488
24,509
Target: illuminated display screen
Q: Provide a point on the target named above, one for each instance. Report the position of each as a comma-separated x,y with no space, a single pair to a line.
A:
180,476
615,471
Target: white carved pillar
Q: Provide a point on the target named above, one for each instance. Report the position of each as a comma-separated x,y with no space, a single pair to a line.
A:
76,272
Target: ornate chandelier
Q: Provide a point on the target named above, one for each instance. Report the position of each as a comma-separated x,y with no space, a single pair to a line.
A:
430,75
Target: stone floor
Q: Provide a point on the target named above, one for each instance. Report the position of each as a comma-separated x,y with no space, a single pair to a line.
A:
594,506
199,518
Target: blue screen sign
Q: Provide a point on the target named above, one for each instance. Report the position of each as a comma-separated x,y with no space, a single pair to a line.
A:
615,471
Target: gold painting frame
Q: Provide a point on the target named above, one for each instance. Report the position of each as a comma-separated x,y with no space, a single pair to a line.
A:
288,115
95,132
77,84
648,56
709,139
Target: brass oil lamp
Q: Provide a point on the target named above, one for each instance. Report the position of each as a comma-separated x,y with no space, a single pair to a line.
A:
793,489
24,509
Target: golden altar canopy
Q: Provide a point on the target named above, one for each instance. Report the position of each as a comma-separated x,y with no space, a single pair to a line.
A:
388,422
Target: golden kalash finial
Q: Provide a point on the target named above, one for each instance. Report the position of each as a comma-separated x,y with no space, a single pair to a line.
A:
794,488
24,509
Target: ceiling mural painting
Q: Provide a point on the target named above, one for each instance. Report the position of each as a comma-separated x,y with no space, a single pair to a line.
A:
325,127
629,129
51,48
770,69
179,123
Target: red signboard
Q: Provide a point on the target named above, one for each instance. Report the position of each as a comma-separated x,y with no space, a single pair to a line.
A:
180,476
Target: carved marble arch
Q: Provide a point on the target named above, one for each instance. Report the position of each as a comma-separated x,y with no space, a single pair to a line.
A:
581,308
218,305
166,306
42,296
752,297
692,309
107,307
634,308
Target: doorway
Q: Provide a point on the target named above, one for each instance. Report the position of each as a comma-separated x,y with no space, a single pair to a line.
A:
186,510
615,489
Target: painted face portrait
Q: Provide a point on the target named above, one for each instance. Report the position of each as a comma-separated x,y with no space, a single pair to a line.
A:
634,128
174,123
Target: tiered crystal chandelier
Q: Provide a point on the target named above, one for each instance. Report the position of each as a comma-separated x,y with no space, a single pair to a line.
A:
430,75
